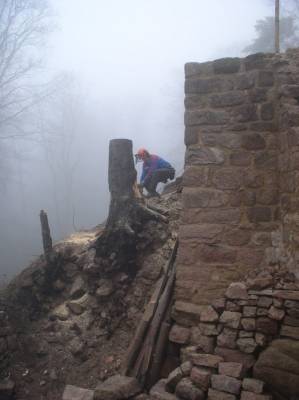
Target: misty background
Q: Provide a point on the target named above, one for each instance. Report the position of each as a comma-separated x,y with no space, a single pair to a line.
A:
105,70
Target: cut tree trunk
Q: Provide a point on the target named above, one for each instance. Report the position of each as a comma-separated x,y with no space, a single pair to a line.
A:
127,211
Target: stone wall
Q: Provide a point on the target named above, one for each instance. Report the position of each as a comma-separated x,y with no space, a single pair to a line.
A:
239,186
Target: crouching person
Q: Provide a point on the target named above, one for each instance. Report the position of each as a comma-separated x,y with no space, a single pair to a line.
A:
154,171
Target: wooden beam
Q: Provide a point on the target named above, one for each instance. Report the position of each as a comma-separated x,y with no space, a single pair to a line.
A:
277,38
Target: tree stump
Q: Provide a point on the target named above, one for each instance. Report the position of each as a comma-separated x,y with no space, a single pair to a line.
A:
116,247
46,235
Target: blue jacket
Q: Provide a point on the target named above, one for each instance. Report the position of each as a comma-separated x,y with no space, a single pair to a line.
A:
151,165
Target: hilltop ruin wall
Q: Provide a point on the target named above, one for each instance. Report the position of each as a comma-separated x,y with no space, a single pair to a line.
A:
240,192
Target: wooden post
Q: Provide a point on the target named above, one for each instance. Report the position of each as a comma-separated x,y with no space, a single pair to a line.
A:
46,234
277,41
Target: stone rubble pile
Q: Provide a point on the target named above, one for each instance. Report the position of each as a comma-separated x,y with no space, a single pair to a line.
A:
228,336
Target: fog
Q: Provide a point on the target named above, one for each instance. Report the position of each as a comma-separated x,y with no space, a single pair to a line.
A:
117,70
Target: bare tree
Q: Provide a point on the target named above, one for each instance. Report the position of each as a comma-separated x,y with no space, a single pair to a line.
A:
23,25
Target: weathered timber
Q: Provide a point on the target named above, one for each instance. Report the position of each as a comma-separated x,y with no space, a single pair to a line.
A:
134,354
46,235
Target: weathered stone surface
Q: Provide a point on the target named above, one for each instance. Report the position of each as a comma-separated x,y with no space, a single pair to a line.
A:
260,282
61,312
208,329
248,324
267,111
213,216
186,390
204,86
228,178
208,314
205,117
194,68
290,331
278,367
253,142
216,395
201,377
226,384
78,288
158,392
226,65
227,338
236,291
267,326
173,379
206,360
249,311
264,302
276,313
76,393
260,339
196,198
259,214
231,369
79,305
253,396
231,319
76,346
245,334
291,321
105,288
179,334
117,387
231,306
230,355
204,156
217,254
253,385
204,343
186,313
228,99
247,345
266,78
261,312
195,176
240,159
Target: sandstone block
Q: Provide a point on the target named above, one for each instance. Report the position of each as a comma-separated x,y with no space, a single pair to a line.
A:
76,393
117,387
105,288
290,331
259,214
201,377
191,136
230,355
248,324
240,159
291,321
264,302
204,156
231,369
249,311
205,117
78,288
208,314
267,111
276,313
247,345
231,306
202,198
216,395
158,392
227,338
195,176
253,385
217,254
245,334
227,99
179,334
228,178
253,142
226,384
265,78
244,81
253,396
261,339
231,319
207,329
255,61
173,379
237,290
204,85
204,343
186,390
206,360
194,68
186,313
267,326
262,312
245,113
226,65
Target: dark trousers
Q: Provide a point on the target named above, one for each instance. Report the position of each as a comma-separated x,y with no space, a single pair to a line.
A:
159,175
